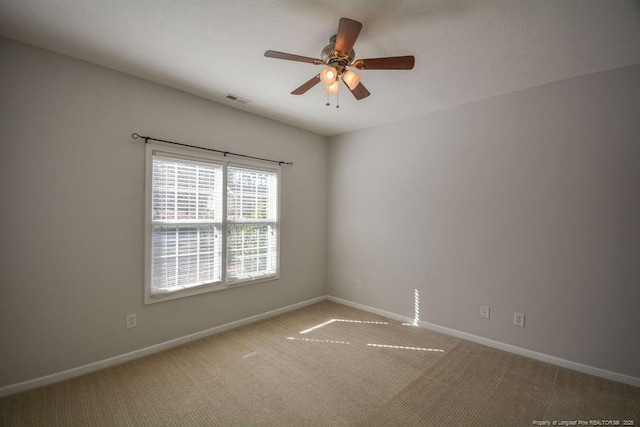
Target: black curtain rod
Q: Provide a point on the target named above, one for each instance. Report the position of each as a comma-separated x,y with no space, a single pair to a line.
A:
226,153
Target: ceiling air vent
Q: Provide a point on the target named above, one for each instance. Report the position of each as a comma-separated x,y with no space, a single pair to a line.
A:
236,98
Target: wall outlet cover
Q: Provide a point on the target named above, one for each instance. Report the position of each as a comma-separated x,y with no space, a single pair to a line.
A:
131,321
518,319
485,311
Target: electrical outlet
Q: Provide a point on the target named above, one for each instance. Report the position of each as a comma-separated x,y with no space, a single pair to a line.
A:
518,319
359,284
131,321
484,311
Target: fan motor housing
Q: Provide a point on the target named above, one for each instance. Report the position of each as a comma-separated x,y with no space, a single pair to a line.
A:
332,57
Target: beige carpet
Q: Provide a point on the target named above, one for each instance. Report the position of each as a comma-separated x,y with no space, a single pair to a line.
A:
326,365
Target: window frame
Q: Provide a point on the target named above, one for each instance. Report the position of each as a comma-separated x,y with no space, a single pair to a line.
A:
163,150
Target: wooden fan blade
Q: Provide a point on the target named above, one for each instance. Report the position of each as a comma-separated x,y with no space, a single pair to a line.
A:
389,63
291,57
348,31
306,86
360,91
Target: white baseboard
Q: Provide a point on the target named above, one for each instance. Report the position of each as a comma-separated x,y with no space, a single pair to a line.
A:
116,360
602,373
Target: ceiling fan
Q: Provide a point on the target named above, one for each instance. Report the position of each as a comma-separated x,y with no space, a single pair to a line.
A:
339,55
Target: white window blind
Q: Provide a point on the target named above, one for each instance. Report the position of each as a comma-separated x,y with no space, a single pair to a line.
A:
211,225
186,224
252,216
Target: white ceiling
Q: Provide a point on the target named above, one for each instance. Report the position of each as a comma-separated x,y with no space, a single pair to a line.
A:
465,50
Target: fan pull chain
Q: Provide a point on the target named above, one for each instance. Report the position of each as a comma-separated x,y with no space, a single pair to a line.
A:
337,99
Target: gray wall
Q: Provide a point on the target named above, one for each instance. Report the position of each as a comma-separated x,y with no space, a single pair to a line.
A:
528,202
72,196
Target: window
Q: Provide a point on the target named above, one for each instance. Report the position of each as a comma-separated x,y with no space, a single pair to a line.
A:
252,224
210,224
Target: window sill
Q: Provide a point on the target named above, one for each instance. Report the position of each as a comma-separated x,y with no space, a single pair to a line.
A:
204,289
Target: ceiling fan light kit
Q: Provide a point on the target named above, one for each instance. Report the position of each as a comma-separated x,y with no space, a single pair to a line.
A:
351,79
332,88
337,56
328,76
